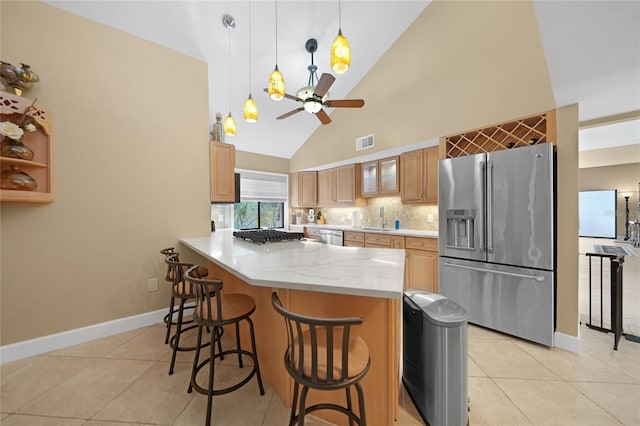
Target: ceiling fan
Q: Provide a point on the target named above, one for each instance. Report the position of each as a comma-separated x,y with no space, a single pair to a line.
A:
315,96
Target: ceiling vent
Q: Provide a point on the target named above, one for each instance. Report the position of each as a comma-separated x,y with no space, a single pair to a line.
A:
364,142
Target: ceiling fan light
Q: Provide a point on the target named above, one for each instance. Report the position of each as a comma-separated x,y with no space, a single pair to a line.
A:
250,110
312,106
276,85
340,54
229,126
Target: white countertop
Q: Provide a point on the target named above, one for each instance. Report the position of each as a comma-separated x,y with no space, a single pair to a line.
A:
306,265
391,231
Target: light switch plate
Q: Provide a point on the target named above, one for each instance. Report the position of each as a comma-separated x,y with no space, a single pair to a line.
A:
430,218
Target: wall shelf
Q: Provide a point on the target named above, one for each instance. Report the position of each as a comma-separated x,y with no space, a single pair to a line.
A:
41,167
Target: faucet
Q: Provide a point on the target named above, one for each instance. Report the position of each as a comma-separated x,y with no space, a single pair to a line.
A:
383,221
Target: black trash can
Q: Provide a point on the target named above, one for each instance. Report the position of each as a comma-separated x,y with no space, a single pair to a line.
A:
435,357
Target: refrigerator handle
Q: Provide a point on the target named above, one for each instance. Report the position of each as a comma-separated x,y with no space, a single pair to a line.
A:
492,271
489,202
483,242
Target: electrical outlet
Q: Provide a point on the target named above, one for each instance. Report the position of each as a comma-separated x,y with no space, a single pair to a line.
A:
430,218
152,284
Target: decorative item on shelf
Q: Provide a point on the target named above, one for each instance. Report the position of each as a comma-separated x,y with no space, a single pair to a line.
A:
19,78
217,133
15,179
12,132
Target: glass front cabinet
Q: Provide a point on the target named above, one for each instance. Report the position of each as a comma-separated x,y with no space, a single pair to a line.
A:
380,177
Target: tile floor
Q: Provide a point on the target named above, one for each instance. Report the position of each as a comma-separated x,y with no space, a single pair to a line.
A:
122,380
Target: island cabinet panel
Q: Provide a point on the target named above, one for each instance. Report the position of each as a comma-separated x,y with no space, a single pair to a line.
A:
379,330
353,239
222,162
303,189
421,263
419,176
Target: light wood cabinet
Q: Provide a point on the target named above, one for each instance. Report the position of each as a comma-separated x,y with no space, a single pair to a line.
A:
327,187
222,162
383,241
40,167
340,187
380,177
419,176
353,239
303,189
421,263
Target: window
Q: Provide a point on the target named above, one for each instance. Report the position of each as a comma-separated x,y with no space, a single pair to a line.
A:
258,214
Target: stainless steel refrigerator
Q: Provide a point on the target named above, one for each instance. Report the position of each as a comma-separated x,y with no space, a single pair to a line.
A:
496,239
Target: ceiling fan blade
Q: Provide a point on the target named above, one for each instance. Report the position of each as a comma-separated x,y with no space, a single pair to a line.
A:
290,113
288,96
323,117
344,103
326,80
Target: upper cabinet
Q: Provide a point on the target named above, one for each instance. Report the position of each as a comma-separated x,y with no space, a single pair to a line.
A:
222,163
327,187
348,189
419,176
27,169
340,186
303,189
380,177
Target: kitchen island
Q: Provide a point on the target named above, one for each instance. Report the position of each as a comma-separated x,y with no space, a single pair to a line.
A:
319,280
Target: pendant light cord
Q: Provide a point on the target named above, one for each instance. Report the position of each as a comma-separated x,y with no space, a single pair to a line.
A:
229,40
339,15
249,48
276,33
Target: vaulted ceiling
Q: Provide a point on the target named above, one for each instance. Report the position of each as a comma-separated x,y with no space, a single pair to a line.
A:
592,50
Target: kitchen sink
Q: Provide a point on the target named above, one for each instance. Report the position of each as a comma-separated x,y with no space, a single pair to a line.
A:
373,228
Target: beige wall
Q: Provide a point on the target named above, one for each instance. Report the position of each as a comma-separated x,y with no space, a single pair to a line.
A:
624,177
567,217
624,154
264,163
128,143
460,66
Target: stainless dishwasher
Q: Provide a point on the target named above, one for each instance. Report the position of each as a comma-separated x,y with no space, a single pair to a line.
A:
325,236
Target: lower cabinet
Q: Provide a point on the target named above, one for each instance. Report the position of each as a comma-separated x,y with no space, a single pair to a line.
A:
421,264
353,239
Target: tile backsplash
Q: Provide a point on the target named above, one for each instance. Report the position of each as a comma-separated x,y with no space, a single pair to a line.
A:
411,216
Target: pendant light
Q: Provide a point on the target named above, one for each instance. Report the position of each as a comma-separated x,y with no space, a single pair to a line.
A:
250,108
276,80
229,122
340,50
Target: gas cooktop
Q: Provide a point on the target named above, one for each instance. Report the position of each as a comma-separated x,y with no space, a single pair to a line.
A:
267,235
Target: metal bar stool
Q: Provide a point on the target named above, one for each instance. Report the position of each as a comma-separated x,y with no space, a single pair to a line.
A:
182,291
215,309
323,353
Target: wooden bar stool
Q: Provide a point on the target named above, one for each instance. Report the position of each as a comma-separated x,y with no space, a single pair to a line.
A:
215,309
168,319
323,354
182,291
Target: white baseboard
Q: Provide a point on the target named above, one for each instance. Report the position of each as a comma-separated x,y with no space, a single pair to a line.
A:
40,345
567,342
